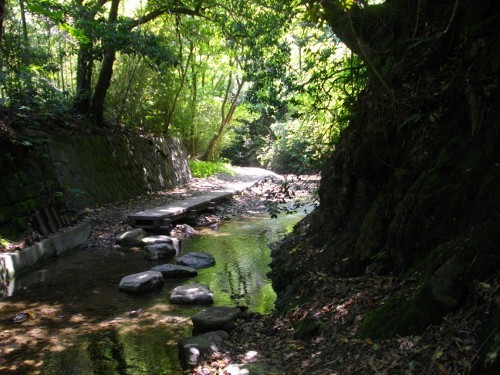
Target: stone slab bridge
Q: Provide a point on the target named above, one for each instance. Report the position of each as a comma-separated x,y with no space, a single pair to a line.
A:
162,217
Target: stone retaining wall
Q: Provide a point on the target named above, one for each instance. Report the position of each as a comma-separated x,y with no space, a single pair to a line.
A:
71,172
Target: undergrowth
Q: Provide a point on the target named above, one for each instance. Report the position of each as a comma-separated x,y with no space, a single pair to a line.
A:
209,168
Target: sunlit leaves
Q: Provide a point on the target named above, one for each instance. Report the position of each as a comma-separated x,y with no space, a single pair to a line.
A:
76,33
347,4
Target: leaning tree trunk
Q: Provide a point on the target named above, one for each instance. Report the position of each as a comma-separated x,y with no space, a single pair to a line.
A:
102,85
104,80
225,117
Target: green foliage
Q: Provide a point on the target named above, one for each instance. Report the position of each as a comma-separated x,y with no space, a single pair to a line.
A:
209,168
170,75
305,95
4,242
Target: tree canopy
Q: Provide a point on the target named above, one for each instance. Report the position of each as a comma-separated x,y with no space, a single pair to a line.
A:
252,80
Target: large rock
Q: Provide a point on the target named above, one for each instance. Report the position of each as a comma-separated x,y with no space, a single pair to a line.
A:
193,350
152,240
175,271
197,260
215,318
131,238
192,294
141,282
157,251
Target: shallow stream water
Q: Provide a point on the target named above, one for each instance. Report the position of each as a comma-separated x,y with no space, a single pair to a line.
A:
77,322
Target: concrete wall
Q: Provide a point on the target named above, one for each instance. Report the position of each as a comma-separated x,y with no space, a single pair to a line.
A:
78,171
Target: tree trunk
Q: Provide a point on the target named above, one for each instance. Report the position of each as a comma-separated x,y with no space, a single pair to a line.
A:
102,85
2,16
106,72
225,118
194,98
84,69
23,21
183,75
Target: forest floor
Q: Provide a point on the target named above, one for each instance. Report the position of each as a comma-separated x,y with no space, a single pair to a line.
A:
320,335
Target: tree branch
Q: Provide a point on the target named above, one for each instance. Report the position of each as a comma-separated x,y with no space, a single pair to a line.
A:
164,10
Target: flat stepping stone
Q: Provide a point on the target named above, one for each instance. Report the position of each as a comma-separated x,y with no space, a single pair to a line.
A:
141,282
192,294
215,318
131,238
192,350
175,271
199,259
151,240
157,251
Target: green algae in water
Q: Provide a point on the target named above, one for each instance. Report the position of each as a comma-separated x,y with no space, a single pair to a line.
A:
242,254
104,339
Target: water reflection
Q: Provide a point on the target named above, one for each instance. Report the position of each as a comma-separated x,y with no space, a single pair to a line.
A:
79,323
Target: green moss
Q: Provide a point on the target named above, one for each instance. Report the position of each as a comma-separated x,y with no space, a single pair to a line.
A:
400,316
24,207
21,224
403,315
307,328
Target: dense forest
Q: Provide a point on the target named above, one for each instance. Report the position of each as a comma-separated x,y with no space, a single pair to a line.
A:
249,81
395,101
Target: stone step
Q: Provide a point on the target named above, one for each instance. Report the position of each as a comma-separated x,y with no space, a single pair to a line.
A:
161,217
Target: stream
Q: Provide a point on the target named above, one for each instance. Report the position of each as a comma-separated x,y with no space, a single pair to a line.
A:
73,320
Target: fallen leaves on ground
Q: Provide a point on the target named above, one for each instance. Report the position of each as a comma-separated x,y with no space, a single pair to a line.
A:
338,305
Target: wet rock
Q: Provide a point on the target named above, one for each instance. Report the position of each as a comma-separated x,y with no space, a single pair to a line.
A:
141,282
193,350
183,231
153,240
196,260
175,271
158,251
131,238
187,230
215,318
192,294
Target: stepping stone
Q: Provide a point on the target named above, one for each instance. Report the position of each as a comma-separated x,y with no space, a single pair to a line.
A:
131,238
156,251
175,271
193,350
196,260
141,282
151,240
215,318
192,294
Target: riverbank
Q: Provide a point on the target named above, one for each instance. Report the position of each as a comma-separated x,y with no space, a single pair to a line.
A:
69,316
319,331
110,220
316,337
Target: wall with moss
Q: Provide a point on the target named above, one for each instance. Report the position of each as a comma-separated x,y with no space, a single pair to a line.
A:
71,172
27,183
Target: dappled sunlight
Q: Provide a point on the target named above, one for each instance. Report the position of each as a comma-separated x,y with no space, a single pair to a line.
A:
72,309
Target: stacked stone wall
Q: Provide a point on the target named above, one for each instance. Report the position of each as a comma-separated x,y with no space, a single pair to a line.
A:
72,172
